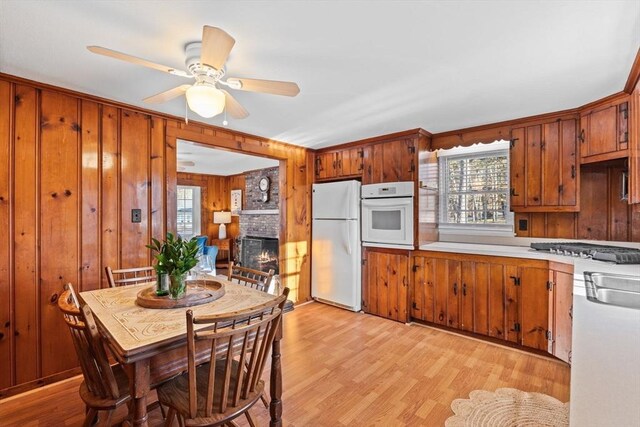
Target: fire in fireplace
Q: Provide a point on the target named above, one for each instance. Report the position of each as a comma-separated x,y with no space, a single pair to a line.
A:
260,253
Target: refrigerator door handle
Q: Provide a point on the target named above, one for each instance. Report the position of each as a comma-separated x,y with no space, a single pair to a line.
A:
348,237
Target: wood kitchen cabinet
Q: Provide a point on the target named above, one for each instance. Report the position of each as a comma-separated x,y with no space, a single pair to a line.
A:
460,291
536,317
326,165
350,162
453,285
544,168
634,151
422,289
390,162
385,283
512,303
562,283
456,293
467,293
339,164
604,132
495,301
516,300
441,290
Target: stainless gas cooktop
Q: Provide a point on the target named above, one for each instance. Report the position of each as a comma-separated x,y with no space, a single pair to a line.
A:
617,254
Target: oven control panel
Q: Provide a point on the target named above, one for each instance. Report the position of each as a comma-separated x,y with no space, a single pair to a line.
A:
388,189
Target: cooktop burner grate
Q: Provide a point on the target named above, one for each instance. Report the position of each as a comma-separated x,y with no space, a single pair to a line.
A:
617,254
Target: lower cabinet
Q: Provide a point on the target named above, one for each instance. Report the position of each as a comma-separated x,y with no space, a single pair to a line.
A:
521,301
385,283
562,282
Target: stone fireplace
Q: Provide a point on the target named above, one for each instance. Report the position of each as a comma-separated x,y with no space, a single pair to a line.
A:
260,253
260,222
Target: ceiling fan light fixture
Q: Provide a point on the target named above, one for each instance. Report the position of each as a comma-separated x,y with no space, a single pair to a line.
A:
205,100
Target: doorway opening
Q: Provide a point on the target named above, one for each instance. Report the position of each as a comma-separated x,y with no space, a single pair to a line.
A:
239,205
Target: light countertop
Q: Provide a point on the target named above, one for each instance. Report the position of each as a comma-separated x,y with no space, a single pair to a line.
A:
580,265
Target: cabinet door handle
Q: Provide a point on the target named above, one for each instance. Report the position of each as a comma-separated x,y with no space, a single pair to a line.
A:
571,312
581,137
455,289
513,192
464,289
573,171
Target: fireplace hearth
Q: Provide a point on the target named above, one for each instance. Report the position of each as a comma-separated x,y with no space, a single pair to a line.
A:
259,253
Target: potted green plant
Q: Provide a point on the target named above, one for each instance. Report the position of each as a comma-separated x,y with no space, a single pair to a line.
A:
175,257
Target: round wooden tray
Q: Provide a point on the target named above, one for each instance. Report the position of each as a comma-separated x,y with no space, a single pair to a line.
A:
212,291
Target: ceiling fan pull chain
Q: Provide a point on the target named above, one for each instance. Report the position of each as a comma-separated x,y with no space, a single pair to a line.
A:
186,111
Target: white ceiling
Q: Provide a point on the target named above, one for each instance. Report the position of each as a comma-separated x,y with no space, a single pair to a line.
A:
211,161
364,68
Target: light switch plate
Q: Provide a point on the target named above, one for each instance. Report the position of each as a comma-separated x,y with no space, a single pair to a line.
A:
136,215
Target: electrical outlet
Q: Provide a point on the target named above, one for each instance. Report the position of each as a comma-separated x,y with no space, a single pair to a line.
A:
136,215
522,225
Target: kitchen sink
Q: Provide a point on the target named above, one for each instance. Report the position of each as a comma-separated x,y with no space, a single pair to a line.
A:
613,289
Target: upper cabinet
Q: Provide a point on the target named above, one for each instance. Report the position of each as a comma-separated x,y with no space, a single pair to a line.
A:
544,167
339,164
634,149
604,132
388,158
390,162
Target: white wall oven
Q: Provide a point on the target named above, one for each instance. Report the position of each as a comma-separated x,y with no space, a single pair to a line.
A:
387,215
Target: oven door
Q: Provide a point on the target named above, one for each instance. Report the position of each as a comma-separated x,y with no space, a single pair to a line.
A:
388,222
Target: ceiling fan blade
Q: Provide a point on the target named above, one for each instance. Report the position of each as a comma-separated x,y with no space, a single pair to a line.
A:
273,87
135,60
233,107
216,46
167,95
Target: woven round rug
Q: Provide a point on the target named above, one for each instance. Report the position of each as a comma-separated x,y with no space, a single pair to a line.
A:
508,407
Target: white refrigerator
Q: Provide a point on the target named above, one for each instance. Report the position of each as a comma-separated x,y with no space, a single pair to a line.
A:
335,253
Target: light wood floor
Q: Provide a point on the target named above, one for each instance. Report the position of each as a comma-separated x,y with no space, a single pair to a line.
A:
342,368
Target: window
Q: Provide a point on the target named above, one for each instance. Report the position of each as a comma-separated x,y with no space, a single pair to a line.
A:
188,211
474,189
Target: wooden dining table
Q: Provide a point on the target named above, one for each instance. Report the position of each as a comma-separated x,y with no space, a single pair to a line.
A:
151,343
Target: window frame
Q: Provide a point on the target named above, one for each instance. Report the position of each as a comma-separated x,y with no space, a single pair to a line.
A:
196,208
495,149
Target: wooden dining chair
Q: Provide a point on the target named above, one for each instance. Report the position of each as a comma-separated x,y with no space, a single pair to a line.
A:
259,280
130,276
228,386
104,388
249,277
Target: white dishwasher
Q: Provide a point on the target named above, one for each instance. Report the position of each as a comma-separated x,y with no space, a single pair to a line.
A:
605,365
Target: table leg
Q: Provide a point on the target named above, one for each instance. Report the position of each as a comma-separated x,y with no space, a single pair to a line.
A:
275,382
138,373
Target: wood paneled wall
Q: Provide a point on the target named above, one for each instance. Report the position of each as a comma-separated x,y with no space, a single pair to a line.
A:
602,216
72,170
216,196
72,167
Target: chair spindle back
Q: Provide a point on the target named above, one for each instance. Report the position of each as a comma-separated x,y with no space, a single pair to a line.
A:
130,276
93,358
249,277
247,337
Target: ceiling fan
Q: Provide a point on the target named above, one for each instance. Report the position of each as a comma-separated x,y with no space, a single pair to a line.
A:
205,63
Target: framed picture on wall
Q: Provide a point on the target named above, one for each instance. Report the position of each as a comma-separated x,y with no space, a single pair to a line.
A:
236,202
